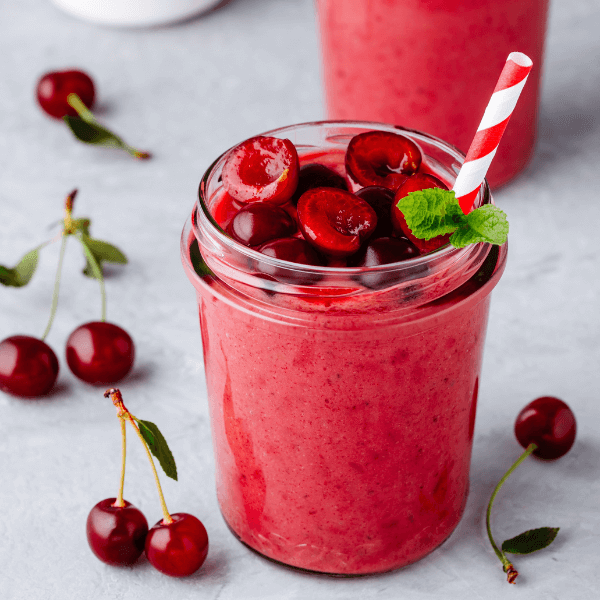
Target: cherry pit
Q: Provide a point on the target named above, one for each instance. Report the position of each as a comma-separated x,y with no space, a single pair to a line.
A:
97,352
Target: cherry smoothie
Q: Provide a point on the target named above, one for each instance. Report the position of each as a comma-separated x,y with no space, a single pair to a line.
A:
342,372
433,65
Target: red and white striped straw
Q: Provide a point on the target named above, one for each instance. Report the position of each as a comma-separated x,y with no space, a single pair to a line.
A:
490,130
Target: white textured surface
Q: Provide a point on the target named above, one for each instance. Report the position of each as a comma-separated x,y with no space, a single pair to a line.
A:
187,93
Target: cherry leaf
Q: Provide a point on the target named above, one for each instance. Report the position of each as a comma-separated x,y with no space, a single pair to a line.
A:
91,132
22,273
159,447
102,252
530,541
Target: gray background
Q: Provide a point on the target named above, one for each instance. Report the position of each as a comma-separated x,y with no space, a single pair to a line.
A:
187,93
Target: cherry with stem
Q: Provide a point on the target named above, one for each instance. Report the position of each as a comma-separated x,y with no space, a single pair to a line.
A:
178,544
116,530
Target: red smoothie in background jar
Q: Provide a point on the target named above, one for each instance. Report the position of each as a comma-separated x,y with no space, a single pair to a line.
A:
432,65
342,399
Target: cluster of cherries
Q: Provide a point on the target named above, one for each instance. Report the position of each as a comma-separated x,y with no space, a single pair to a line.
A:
118,533
97,352
312,215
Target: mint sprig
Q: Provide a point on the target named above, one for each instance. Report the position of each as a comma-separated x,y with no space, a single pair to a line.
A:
433,212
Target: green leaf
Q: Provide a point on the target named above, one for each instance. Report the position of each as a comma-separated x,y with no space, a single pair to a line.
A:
91,132
22,273
159,447
485,224
530,541
82,225
102,252
92,268
431,212
201,268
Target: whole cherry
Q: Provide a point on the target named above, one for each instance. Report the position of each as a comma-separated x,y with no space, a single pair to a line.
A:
549,423
257,223
28,366
116,533
314,175
100,352
53,89
177,548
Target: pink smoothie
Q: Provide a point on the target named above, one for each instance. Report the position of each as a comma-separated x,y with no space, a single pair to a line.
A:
432,65
342,415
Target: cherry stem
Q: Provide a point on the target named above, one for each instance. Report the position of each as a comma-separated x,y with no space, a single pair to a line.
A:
82,110
119,501
511,572
61,257
123,413
97,270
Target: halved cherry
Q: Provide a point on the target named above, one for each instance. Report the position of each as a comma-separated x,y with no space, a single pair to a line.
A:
315,175
260,222
334,221
419,181
381,199
382,158
262,169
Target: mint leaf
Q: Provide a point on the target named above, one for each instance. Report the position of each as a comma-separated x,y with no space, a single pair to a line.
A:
530,541
485,224
159,447
91,132
201,268
433,212
22,273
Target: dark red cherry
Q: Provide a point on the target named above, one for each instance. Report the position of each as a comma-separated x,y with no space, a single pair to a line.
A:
116,534
179,548
53,88
384,251
382,158
100,353
550,424
381,199
260,222
28,366
334,221
315,175
262,169
420,181
294,250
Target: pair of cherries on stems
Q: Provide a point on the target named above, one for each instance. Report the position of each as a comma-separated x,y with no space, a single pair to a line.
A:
97,352
117,531
69,95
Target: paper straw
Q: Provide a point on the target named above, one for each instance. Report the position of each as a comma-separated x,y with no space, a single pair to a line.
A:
490,130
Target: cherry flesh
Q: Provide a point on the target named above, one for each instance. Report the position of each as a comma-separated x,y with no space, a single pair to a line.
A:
382,158
420,181
381,199
100,353
315,175
260,222
53,89
179,548
28,366
550,424
334,221
262,169
116,534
